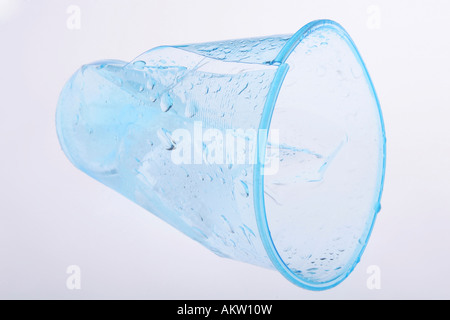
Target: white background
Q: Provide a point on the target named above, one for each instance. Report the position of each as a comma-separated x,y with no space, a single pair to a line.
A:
53,216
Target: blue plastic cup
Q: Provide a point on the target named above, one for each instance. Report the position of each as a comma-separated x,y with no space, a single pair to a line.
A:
265,150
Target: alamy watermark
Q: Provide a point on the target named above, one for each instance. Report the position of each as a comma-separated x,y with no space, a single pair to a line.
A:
73,281
73,21
230,146
374,280
373,21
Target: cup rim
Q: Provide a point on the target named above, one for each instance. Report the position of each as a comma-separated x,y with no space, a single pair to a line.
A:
264,126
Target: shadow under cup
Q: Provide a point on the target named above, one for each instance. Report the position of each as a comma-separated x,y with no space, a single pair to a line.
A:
301,187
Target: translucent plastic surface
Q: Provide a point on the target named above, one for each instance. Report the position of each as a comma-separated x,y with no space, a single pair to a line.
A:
182,131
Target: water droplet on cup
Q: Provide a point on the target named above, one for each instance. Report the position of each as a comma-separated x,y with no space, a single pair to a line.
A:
153,97
166,139
221,56
139,64
243,89
244,189
191,109
150,84
166,102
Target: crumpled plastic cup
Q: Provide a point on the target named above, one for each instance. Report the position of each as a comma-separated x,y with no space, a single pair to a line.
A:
265,150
